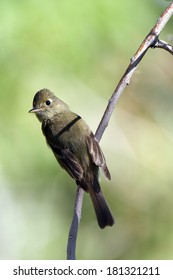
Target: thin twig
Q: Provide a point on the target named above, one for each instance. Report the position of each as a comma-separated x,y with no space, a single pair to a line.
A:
151,41
71,255
164,45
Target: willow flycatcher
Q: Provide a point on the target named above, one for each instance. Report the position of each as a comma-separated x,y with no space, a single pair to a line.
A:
75,148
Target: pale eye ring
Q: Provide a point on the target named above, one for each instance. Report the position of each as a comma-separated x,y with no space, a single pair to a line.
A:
48,102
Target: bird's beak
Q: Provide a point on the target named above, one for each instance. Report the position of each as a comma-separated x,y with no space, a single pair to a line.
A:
35,110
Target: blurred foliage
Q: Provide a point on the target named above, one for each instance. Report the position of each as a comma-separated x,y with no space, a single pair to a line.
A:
79,50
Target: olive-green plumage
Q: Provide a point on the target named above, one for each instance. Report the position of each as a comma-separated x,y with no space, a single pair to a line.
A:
74,147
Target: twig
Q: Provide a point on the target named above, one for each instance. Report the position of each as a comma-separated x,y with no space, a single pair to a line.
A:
151,41
71,255
164,45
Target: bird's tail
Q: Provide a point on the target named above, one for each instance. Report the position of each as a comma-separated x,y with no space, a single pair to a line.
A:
103,214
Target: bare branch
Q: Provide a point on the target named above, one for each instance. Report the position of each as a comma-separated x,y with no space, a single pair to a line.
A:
71,247
151,41
164,45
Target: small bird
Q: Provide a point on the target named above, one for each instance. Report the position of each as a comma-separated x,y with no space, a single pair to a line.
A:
75,148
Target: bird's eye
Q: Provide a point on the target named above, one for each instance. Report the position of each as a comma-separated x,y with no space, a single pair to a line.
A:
48,102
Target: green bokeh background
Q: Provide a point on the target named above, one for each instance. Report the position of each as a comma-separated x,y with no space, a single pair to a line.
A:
79,50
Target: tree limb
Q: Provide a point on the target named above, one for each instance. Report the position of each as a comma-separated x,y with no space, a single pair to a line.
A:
71,247
163,45
150,41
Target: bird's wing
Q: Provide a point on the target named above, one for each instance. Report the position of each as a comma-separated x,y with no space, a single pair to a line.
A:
71,164
65,157
68,161
97,155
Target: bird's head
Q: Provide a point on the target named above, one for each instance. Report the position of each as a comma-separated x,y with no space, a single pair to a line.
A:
46,105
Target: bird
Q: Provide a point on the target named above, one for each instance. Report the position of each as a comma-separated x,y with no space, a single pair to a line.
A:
75,148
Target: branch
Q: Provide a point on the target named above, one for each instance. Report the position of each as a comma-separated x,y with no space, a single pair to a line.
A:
74,225
163,45
151,41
